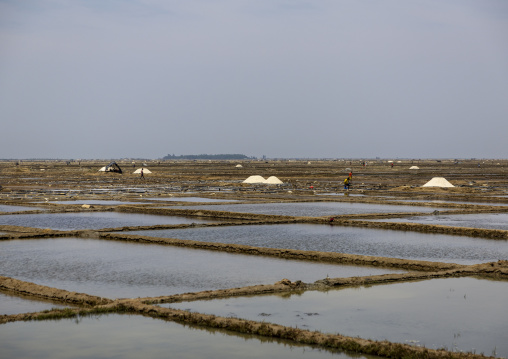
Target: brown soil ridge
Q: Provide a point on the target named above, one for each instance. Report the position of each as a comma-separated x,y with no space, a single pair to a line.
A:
41,291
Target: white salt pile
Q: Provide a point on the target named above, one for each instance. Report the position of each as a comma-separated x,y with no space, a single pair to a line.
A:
254,179
239,166
414,168
273,180
438,182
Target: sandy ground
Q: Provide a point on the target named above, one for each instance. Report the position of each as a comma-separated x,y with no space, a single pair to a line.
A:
31,183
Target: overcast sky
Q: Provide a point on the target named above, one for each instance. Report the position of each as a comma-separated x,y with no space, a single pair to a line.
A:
315,79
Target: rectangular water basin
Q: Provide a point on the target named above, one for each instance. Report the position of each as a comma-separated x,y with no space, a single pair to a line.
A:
351,240
9,208
94,220
313,209
16,304
460,314
96,202
191,199
115,269
134,337
481,220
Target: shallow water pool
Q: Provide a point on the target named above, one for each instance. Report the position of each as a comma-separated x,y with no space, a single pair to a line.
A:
352,240
461,314
115,269
312,209
96,202
191,199
15,304
93,220
482,220
9,208
124,336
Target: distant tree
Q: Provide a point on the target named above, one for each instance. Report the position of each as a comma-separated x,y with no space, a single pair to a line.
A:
207,157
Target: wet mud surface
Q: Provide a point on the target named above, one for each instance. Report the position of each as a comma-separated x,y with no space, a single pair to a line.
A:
53,189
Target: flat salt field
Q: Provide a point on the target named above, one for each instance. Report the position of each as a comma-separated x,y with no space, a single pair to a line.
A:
116,269
351,240
9,208
313,209
191,199
482,220
96,202
125,336
454,202
93,220
460,314
14,304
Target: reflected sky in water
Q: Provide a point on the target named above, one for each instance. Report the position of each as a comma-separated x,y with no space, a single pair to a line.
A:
351,240
115,269
463,314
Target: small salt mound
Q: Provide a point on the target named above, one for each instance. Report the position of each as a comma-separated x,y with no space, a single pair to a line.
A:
438,182
273,180
239,166
254,179
414,168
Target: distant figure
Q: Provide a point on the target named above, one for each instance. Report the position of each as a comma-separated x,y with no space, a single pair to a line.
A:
351,175
347,183
142,176
392,164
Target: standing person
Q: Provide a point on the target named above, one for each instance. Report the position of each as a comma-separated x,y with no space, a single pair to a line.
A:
347,182
350,174
142,176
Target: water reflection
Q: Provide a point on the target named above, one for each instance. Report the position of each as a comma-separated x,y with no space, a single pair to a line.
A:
352,240
123,336
16,304
481,220
93,220
313,209
115,269
461,314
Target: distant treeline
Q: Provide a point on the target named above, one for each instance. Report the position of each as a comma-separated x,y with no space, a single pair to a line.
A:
208,157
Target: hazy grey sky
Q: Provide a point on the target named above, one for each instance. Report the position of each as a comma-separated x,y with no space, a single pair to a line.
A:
319,78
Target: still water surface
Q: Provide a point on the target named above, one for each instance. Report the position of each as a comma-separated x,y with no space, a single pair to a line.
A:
123,336
13,304
93,220
116,269
313,209
461,314
363,241
481,220
8,208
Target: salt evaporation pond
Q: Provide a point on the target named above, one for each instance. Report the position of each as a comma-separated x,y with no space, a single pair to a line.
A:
312,209
461,314
191,199
94,220
13,304
9,208
351,240
96,202
116,269
129,336
454,202
480,220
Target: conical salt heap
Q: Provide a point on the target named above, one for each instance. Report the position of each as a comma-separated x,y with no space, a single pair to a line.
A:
438,182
